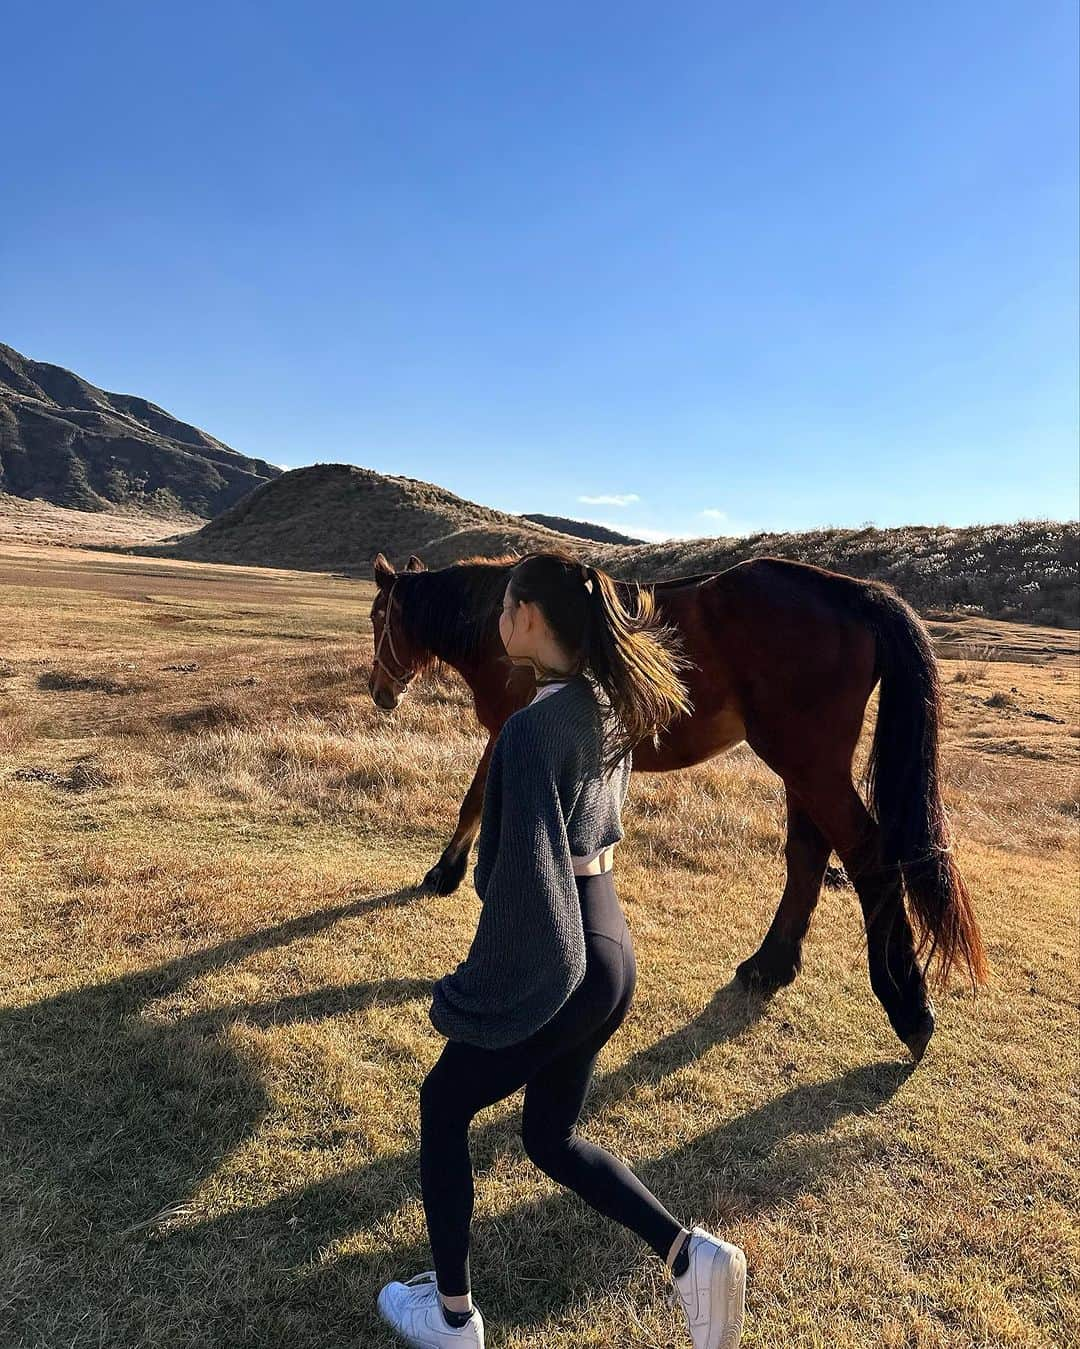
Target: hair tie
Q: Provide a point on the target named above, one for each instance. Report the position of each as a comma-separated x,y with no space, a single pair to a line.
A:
586,578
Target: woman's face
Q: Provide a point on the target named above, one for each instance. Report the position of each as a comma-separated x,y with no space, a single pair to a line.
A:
526,636
508,621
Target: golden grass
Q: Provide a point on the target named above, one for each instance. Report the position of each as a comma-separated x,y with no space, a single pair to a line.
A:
214,976
39,522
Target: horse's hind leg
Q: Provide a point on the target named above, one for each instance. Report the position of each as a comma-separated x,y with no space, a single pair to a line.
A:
894,972
779,958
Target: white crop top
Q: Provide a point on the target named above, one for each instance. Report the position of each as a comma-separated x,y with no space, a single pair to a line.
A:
542,692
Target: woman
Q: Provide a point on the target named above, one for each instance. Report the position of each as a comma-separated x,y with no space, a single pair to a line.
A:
551,971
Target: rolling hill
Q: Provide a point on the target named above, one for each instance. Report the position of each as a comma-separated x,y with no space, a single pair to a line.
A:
336,517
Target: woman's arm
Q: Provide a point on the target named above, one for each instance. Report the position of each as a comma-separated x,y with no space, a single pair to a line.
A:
528,953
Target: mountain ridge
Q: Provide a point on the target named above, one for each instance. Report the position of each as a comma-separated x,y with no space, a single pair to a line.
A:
65,441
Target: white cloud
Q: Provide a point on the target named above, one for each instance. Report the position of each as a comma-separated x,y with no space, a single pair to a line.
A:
728,526
617,499
641,531
287,468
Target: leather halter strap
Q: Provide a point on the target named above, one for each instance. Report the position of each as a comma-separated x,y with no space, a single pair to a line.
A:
387,637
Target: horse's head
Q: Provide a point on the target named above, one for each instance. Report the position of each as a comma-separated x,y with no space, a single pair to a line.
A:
396,663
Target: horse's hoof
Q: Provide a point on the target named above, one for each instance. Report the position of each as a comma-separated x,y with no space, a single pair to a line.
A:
432,882
765,982
920,1037
443,878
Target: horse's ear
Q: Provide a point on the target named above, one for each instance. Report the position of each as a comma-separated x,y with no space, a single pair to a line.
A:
414,564
383,569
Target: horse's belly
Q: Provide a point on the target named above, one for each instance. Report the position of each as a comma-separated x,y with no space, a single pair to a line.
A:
725,730
701,738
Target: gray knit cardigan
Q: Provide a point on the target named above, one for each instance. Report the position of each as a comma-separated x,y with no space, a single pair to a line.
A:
545,800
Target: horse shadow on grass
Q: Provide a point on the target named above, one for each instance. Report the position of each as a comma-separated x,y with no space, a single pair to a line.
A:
110,1120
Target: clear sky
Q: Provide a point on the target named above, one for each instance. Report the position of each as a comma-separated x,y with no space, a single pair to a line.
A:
691,268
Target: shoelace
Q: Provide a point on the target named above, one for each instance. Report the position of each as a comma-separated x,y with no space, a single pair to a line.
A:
673,1296
672,1291
427,1277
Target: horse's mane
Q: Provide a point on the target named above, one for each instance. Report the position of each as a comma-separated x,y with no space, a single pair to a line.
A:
454,609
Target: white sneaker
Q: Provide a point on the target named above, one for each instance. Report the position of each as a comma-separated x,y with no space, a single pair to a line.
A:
415,1312
712,1292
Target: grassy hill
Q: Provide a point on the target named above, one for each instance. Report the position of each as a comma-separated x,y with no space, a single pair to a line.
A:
336,517
1028,570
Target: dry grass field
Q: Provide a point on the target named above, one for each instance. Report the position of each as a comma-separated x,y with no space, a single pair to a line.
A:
40,522
214,974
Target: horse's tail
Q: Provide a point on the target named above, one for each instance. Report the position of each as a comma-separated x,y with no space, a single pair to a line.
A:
904,787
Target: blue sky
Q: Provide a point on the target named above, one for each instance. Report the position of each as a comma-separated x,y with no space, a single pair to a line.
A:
684,269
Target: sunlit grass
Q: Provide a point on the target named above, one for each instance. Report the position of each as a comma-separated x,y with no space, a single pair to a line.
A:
214,975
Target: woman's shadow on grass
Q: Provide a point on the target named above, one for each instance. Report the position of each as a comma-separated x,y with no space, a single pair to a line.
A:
537,1260
110,1117
111,1120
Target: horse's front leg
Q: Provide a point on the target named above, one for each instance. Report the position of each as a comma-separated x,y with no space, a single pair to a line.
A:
779,958
448,872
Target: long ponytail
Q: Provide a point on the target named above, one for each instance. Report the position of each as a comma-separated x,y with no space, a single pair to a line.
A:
632,656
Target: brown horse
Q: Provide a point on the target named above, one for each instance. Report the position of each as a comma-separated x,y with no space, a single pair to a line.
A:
785,657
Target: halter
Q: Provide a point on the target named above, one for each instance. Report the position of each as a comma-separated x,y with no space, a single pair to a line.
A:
388,638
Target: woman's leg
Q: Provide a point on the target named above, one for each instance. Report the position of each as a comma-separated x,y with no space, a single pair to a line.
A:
463,1080
554,1097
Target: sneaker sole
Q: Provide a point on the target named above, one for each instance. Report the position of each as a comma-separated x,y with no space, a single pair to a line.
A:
727,1295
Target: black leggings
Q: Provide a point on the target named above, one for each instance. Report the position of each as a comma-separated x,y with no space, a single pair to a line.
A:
555,1066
